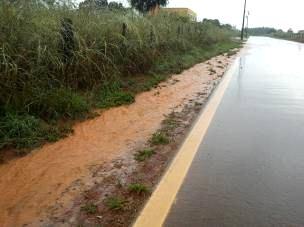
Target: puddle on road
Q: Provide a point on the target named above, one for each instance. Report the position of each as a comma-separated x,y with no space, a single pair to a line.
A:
29,185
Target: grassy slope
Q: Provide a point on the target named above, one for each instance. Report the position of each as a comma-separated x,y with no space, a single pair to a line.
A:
42,94
28,132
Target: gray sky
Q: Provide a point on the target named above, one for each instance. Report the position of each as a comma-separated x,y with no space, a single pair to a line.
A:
272,13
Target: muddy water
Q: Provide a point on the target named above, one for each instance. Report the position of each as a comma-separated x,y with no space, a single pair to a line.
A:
31,184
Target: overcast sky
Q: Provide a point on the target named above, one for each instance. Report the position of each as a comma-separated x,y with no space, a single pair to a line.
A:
272,13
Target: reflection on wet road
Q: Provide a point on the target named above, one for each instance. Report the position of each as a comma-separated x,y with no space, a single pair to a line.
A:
249,170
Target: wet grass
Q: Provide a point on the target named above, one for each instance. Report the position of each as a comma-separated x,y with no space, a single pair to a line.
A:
159,138
40,89
138,189
25,130
171,122
143,155
114,99
115,203
90,208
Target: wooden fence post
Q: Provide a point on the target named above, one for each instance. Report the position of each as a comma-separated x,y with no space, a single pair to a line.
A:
124,29
67,39
151,35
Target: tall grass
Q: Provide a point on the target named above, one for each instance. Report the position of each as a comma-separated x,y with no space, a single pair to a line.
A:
40,83
297,37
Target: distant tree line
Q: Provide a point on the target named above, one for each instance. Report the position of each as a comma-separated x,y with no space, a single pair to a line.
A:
277,33
267,31
260,31
100,4
145,6
216,22
142,6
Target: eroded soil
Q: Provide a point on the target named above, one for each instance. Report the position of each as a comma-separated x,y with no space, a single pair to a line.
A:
50,185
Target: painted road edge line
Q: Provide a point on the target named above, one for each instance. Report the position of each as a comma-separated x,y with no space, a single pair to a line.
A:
157,208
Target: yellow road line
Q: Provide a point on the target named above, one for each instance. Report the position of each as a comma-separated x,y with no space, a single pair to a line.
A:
158,207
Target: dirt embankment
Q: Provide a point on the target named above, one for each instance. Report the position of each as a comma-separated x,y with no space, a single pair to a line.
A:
52,176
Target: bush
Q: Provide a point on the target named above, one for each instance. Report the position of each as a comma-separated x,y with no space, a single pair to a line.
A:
25,131
60,102
111,96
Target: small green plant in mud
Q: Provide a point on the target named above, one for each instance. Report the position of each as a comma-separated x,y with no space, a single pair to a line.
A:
90,208
159,138
138,188
171,122
143,155
115,203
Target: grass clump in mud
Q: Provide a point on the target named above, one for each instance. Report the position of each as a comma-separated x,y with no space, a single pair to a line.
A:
115,203
143,155
116,99
90,208
159,138
138,188
171,122
113,95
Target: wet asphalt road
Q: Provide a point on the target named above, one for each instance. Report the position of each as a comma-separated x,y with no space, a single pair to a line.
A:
249,170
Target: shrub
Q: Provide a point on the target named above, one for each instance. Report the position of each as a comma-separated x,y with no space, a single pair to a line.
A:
60,102
25,131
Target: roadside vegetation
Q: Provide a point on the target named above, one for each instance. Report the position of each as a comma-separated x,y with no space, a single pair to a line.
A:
142,155
58,63
138,188
277,33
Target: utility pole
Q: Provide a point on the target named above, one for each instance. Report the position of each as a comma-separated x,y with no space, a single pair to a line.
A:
247,24
243,25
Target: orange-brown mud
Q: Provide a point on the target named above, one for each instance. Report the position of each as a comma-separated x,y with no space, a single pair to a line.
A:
32,184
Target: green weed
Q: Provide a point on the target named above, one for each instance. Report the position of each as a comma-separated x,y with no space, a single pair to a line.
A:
90,208
159,138
144,155
115,203
171,122
138,188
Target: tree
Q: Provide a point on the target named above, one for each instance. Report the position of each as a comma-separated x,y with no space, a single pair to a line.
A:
262,31
94,4
49,2
43,3
145,6
115,5
215,22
